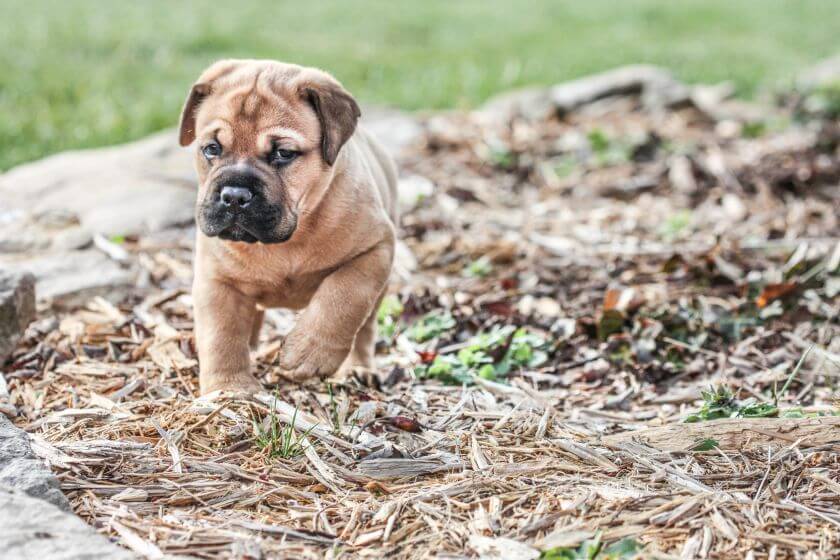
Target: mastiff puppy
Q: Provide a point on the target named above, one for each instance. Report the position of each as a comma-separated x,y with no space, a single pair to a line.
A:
297,209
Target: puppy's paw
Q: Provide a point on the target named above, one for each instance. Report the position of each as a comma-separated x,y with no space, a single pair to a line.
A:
245,384
303,357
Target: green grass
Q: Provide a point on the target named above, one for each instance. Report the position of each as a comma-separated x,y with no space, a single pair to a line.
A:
277,439
80,73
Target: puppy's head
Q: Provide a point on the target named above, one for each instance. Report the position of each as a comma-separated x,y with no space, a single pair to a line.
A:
267,135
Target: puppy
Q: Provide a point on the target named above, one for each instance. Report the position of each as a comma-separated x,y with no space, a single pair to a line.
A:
296,208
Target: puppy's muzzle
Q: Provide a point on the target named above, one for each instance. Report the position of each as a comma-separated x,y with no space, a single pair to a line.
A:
237,207
237,190
235,198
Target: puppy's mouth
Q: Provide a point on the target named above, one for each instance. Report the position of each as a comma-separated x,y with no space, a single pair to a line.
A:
243,229
237,232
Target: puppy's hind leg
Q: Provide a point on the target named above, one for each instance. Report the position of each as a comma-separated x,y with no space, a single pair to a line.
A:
254,341
364,345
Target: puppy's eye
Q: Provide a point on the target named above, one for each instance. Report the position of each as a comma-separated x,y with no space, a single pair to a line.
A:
211,150
280,156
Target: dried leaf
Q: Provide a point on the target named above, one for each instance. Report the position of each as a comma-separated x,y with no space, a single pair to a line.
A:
772,292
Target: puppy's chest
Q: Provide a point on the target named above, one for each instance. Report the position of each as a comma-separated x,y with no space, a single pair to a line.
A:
277,286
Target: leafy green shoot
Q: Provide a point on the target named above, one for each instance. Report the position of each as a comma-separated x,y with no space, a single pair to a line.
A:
720,403
479,268
431,325
489,356
706,445
754,129
388,316
594,549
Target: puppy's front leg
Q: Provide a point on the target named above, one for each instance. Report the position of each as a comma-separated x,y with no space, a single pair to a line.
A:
224,320
324,333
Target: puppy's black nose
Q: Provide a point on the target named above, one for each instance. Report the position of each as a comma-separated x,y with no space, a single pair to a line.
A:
235,197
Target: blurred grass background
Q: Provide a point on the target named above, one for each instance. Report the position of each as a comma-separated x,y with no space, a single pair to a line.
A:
82,73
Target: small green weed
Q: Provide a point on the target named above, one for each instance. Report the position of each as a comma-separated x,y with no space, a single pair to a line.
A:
594,550
608,152
479,268
490,356
675,225
706,445
598,141
754,129
277,440
388,316
720,402
431,325
503,158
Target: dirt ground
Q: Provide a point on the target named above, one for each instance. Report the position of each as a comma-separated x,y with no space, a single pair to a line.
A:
587,295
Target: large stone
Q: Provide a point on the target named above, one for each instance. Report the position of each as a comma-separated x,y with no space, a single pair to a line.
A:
71,277
32,529
655,85
396,130
824,73
134,188
531,104
17,309
21,470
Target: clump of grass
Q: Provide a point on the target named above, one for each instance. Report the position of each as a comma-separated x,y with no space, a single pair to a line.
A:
278,440
594,550
489,356
334,418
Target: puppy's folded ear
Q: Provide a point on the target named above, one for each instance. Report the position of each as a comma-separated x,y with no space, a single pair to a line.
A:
199,92
337,112
194,99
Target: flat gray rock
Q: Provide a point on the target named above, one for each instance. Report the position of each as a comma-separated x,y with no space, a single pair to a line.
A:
654,84
32,529
396,130
17,309
69,277
130,189
531,104
824,73
21,470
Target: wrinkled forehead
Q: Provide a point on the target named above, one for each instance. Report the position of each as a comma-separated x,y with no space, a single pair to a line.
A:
248,111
